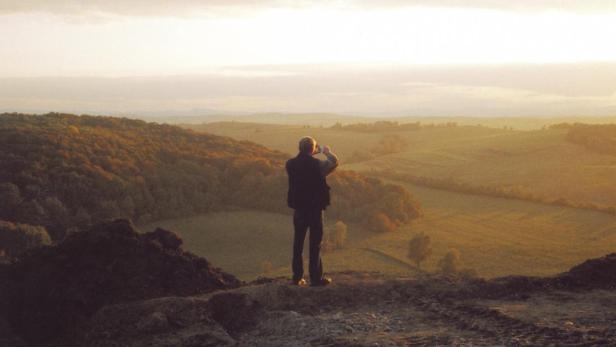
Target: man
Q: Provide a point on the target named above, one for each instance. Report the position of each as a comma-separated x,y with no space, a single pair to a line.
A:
309,195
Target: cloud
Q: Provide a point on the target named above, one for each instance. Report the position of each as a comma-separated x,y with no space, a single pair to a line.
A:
193,7
560,90
519,5
127,7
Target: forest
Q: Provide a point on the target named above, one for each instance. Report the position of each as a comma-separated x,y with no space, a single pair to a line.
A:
63,171
599,138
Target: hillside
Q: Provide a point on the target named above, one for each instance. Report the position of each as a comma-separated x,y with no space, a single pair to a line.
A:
495,195
168,297
62,171
555,163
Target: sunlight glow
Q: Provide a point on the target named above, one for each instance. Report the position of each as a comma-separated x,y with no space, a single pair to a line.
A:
43,44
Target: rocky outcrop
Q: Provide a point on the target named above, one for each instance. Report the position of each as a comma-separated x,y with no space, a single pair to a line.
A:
51,292
111,286
599,273
171,321
358,309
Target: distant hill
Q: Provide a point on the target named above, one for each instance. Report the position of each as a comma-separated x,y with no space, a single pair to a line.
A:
62,171
600,138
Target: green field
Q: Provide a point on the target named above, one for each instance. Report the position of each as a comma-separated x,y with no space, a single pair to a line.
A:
240,241
495,236
538,161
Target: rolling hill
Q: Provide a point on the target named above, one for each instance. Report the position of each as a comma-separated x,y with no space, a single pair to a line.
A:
495,235
62,171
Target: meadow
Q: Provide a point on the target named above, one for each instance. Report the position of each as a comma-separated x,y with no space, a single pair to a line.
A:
495,236
540,162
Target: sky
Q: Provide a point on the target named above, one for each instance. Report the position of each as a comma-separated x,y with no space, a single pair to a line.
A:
439,57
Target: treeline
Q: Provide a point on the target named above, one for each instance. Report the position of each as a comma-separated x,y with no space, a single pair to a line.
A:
599,138
378,126
390,144
497,192
385,126
63,171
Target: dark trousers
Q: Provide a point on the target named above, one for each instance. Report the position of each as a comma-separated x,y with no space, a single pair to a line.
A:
302,220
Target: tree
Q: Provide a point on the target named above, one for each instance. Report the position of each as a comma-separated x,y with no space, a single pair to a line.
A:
16,238
381,222
419,249
11,198
340,234
450,263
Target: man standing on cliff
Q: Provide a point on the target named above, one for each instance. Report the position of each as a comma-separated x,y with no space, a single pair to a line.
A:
309,195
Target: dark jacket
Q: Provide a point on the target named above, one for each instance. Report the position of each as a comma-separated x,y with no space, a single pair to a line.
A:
308,188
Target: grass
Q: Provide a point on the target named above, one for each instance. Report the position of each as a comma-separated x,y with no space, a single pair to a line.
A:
240,241
540,161
500,237
496,237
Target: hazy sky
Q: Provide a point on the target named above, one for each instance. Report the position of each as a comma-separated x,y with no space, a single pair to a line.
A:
361,56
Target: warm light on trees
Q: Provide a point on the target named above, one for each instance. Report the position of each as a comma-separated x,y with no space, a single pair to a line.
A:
62,171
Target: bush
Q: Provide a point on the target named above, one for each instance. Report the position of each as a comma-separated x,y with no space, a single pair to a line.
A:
17,238
380,222
419,249
450,263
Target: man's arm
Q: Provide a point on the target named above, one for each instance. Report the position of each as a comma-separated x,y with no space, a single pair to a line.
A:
330,164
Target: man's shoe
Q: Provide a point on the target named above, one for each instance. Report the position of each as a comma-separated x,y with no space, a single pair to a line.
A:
300,282
321,283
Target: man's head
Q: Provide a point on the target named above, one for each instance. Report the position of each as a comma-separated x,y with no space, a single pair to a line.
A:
307,145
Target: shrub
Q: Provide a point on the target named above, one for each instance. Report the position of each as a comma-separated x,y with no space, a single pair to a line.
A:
17,238
419,249
450,263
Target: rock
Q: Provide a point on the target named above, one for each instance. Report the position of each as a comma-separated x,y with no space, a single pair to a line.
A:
153,323
164,238
50,293
236,312
171,321
596,273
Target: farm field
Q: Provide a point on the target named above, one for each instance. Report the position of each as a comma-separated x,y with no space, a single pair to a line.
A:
541,162
241,241
495,237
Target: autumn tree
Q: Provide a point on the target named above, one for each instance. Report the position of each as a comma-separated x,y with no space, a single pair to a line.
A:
419,249
16,238
11,198
381,222
63,172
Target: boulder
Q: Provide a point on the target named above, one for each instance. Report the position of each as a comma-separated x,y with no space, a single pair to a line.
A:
51,292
